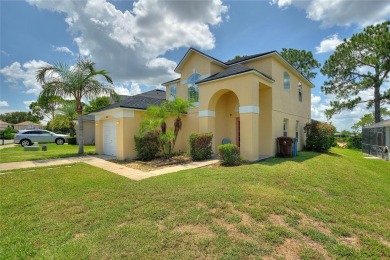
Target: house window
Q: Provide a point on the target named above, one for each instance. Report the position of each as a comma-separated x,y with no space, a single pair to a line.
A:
193,90
297,130
173,90
300,92
285,127
286,81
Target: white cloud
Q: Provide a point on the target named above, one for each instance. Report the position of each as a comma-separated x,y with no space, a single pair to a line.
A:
130,44
63,49
329,44
4,104
22,77
27,103
129,88
4,53
341,12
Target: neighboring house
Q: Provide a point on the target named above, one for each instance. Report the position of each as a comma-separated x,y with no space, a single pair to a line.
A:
4,125
375,139
250,101
27,125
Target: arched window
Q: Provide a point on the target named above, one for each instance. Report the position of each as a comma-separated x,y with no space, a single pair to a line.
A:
193,90
286,81
173,90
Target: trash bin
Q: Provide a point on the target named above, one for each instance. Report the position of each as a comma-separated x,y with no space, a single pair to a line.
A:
285,146
44,148
295,147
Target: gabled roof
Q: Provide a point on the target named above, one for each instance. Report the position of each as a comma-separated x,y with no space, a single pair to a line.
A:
27,123
231,71
244,59
383,123
191,50
171,81
3,123
140,101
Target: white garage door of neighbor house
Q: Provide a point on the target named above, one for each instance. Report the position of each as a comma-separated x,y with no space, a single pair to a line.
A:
109,138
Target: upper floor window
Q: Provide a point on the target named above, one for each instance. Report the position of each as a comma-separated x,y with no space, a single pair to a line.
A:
286,81
300,92
193,90
173,90
285,127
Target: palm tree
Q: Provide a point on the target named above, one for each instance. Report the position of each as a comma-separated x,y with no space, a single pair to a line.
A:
78,81
177,107
64,117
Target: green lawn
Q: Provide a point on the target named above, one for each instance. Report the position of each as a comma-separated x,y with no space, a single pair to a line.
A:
17,154
314,206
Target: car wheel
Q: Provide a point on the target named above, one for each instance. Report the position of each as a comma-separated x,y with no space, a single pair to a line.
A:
60,141
25,142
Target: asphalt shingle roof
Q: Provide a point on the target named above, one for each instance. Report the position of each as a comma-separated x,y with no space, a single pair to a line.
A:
232,70
383,123
230,62
140,101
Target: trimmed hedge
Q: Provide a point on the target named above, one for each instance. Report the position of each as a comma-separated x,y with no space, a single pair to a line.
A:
72,140
229,154
147,146
355,142
319,136
200,146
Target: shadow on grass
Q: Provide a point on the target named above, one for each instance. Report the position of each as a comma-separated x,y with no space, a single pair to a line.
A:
301,157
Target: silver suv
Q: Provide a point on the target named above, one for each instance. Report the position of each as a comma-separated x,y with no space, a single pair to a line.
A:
28,137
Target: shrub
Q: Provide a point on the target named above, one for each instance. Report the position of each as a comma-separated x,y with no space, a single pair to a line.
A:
200,146
72,140
229,154
355,142
9,133
147,146
319,136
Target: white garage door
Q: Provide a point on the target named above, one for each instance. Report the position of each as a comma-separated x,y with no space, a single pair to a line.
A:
109,138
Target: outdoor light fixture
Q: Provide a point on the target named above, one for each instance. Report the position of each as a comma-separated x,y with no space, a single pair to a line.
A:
97,124
117,122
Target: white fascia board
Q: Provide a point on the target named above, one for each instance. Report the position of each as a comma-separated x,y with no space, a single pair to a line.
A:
240,74
118,112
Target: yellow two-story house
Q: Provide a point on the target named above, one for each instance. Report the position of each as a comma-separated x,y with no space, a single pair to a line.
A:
249,101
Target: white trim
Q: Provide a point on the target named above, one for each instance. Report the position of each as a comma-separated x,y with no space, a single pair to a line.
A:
206,113
116,113
204,76
240,74
183,82
249,109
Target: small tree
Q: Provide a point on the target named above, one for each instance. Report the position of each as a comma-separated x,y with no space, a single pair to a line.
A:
319,136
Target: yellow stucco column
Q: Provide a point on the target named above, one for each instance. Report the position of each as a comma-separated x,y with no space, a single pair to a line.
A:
249,124
99,136
207,125
125,138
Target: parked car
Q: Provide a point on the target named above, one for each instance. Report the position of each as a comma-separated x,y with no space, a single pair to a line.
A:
28,137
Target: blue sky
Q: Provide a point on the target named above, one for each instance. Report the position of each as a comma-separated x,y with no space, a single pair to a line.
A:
140,42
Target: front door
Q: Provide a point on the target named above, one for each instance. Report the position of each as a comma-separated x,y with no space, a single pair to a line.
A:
109,138
238,131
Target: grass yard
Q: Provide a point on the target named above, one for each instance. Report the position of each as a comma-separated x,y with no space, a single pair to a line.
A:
315,206
17,154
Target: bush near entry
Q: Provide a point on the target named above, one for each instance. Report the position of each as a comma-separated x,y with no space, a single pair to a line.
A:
229,154
72,140
147,146
319,136
200,146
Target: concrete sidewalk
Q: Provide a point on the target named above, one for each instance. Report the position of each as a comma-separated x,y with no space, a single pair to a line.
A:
102,162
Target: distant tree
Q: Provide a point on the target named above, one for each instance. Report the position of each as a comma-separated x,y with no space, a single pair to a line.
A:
358,64
78,81
46,106
20,116
97,103
368,119
64,118
303,61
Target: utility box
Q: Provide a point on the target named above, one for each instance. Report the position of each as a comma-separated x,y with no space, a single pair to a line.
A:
285,146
